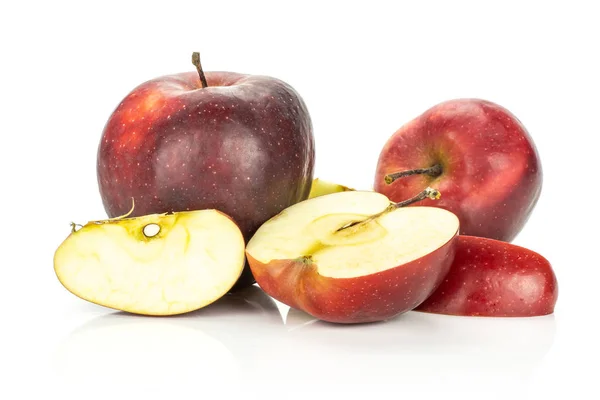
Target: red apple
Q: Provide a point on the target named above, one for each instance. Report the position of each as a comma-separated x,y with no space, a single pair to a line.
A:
477,154
238,143
352,257
495,279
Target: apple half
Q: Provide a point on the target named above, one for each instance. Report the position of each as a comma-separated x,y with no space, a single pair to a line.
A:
159,264
353,257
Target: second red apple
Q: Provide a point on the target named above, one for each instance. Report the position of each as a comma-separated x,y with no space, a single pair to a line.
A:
477,154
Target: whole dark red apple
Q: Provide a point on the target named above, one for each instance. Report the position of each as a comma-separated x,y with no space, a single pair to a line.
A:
495,279
477,154
238,143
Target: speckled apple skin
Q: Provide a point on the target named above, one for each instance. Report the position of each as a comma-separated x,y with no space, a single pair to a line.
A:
495,279
368,298
492,174
243,145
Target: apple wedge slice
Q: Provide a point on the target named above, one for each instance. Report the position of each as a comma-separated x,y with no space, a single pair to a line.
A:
353,257
321,187
159,264
491,278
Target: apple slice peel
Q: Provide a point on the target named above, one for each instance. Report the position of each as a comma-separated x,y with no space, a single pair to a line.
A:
491,278
158,264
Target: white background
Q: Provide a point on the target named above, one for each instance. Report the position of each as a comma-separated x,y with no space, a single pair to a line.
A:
364,69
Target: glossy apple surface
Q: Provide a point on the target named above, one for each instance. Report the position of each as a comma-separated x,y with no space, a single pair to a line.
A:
243,145
158,264
490,173
495,279
369,272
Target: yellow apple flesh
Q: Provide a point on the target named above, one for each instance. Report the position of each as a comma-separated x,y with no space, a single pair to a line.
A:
321,187
159,264
308,257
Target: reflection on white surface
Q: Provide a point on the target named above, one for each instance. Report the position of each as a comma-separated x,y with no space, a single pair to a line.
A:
420,350
206,345
242,336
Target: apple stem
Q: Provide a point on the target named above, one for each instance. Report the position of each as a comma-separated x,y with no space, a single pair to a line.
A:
433,171
428,193
196,62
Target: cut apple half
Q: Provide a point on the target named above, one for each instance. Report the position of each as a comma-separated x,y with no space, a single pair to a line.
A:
352,256
159,264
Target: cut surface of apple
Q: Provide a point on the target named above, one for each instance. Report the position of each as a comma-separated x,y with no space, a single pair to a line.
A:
310,258
159,264
322,187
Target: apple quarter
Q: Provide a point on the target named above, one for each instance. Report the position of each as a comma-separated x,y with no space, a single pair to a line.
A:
158,264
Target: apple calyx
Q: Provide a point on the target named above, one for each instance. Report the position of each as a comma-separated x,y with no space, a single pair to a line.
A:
434,171
196,62
428,193
306,260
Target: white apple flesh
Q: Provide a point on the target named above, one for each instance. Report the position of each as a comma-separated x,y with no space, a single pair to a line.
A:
159,264
308,258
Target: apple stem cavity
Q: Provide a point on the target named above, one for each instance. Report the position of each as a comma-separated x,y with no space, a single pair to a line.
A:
433,171
196,62
428,193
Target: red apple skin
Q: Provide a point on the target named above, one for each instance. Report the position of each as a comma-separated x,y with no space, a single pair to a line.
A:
491,172
243,145
368,298
495,279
